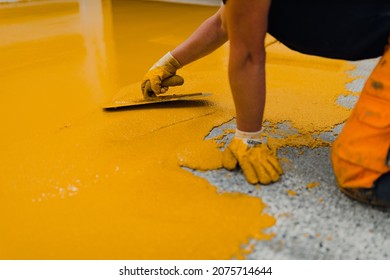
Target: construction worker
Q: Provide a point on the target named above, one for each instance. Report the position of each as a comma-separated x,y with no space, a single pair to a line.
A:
352,31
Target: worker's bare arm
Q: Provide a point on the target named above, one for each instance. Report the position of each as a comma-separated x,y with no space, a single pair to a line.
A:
209,36
246,23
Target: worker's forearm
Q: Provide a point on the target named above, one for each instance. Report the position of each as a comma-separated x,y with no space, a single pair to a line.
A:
247,82
208,37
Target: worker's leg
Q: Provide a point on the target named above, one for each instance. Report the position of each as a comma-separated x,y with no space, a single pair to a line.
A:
360,155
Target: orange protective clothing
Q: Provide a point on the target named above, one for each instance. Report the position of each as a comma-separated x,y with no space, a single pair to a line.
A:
360,154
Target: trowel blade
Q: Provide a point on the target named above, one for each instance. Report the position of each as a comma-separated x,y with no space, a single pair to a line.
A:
159,99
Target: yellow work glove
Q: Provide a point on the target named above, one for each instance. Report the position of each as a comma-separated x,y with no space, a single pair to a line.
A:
256,160
161,76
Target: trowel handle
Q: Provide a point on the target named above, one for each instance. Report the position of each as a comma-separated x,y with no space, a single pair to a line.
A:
168,82
172,81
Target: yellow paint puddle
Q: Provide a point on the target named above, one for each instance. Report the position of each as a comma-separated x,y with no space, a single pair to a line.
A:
200,155
303,89
80,183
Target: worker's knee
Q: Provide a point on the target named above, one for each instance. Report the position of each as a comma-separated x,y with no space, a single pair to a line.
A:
360,155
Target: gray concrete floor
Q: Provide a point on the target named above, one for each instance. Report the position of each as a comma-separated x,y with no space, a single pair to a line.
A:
319,222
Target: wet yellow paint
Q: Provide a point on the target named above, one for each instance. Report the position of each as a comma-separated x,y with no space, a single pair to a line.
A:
200,155
80,183
303,89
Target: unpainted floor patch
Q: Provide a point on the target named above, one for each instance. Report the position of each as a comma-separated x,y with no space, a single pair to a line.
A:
348,101
312,223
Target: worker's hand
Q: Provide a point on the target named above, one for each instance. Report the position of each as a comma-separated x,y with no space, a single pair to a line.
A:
256,160
161,76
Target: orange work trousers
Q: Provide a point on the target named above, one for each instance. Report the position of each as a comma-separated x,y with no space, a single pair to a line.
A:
361,152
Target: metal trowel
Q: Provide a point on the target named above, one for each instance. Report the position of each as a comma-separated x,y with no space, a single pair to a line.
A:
129,95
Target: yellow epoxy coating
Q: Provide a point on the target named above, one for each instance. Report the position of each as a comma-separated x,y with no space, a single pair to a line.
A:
303,89
200,155
80,183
